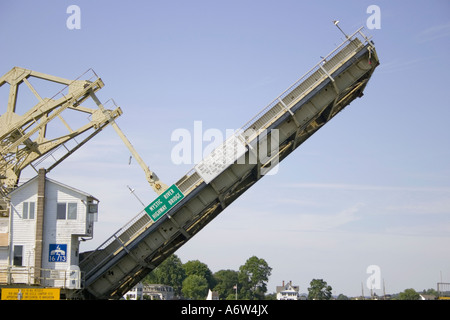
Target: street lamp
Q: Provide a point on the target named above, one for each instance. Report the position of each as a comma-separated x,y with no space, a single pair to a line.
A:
336,24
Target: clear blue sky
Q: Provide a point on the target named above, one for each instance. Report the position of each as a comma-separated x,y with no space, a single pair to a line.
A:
370,188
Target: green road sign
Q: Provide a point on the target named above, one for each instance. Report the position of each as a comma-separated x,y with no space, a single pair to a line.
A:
164,202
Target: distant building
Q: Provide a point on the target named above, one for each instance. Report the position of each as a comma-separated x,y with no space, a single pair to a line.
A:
40,237
212,295
136,293
427,297
288,292
158,292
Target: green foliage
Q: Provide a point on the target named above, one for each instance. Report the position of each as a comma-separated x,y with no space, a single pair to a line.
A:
251,281
195,267
170,272
270,296
225,282
319,290
253,277
194,278
431,292
409,294
195,287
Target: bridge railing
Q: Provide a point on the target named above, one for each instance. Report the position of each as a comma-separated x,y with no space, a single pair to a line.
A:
261,120
309,80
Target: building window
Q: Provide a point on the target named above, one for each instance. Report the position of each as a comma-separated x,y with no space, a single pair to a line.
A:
72,211
66,211
28,210
61,211
18,253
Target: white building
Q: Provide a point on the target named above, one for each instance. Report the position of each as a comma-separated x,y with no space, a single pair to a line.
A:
136,293
158,292
288,292
212,295
39,241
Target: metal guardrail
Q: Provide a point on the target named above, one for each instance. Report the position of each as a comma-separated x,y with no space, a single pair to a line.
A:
66,279
305,83
262,119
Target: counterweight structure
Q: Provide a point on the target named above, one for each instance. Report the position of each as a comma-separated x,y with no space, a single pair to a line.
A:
25,140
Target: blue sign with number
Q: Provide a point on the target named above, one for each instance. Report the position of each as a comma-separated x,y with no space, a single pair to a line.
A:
57,253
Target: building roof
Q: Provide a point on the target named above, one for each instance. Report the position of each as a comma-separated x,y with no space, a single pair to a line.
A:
287,287
47,179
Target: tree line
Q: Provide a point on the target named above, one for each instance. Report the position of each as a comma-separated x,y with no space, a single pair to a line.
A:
193,279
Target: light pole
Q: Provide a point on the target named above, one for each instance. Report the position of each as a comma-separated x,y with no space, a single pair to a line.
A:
336,22
132,191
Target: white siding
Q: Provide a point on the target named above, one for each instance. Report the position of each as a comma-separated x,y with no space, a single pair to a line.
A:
23,230
59,231
62,232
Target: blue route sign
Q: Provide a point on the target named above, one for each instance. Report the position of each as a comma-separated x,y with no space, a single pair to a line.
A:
57,253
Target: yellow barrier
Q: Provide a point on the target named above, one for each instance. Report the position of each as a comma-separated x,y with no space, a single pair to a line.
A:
30,293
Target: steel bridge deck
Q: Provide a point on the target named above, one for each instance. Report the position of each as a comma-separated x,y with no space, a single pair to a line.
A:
141,245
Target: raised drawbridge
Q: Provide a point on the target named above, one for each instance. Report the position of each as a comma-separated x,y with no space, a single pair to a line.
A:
184,208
